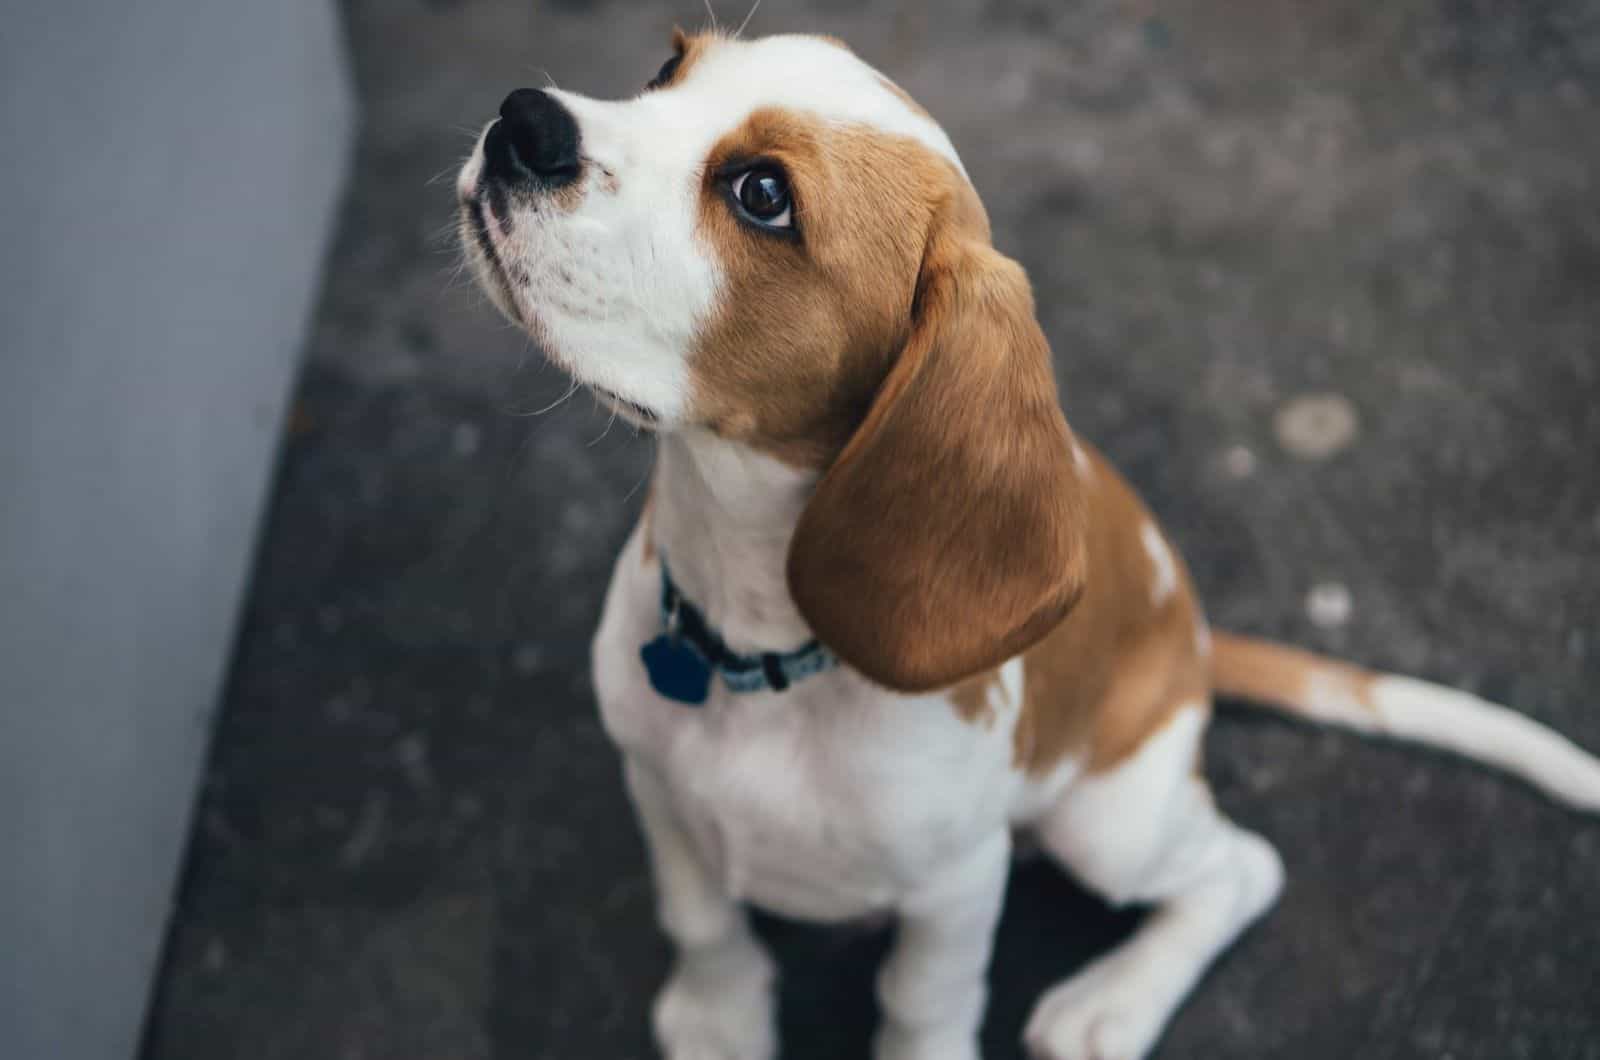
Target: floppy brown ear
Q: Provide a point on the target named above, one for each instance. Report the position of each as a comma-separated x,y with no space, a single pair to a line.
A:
947,537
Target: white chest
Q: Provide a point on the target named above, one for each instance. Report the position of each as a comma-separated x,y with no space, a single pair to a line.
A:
825,802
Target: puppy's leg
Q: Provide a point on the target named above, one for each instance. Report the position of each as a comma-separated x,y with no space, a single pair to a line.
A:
1147,831
717,1004
932,986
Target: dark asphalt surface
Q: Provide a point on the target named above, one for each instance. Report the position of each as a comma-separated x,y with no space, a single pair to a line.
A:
412,842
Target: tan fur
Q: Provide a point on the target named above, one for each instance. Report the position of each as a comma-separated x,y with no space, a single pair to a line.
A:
806,328
689,47
946,537
1278,674
1119,665
973,698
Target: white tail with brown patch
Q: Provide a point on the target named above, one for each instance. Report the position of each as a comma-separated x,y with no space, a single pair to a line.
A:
1319,689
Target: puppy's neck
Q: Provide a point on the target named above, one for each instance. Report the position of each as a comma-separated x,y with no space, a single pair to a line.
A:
723,517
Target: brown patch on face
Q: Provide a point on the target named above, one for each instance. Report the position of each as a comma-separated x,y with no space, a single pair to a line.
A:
1118,666
687,48
808,325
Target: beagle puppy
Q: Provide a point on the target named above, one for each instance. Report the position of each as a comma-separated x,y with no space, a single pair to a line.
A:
883,608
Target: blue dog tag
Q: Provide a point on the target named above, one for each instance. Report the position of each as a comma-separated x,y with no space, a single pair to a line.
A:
676,670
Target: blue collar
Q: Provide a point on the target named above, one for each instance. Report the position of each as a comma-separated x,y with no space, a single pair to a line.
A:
682,658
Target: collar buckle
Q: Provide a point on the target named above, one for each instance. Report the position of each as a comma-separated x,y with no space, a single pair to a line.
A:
683,624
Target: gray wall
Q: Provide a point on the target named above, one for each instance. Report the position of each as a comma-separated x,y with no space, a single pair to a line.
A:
169,174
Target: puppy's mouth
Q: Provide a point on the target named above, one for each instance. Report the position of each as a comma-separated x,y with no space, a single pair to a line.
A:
478,222
485,215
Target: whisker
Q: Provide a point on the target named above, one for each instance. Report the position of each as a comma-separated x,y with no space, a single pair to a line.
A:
747,18
605,432
544,72
453,281
447,236
448,171
649,467
626,497
573,389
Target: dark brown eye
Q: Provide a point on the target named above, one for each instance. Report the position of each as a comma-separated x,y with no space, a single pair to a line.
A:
666,73
763,194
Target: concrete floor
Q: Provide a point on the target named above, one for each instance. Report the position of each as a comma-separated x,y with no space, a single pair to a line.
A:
413,843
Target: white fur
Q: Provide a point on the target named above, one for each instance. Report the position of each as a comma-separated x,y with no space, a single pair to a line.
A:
1330,698
1164,568
832,800
615,288
722,508
1457,721
837,799
825,801
1148,832
718,1001
1461,722
1007,694
801,73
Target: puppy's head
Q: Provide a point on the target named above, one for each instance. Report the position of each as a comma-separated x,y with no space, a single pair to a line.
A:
773,243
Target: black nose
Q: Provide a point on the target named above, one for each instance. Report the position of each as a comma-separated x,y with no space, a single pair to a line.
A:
535,141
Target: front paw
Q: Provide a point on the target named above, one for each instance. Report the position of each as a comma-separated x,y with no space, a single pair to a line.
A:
1112,1010
718,1005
